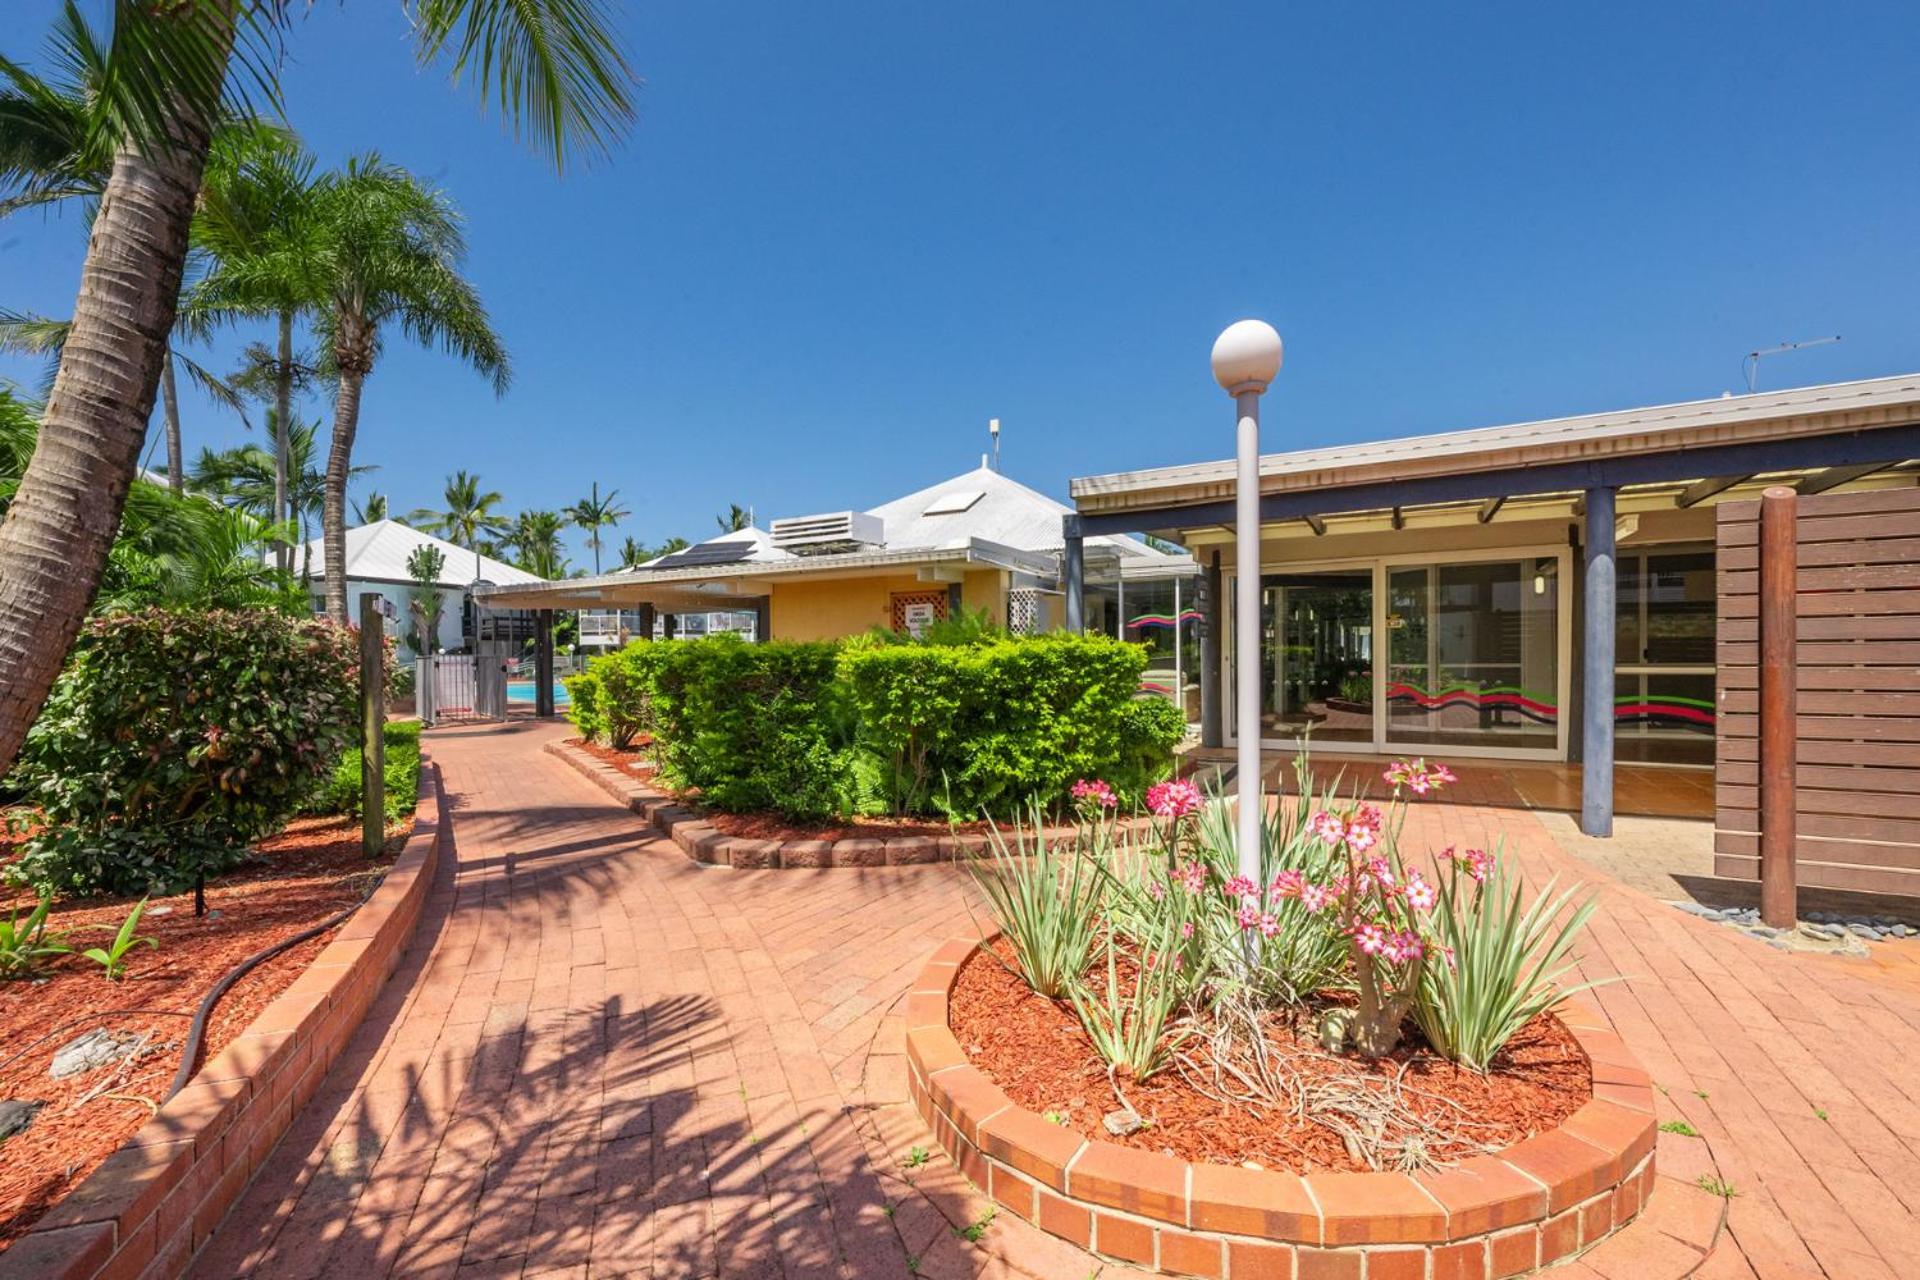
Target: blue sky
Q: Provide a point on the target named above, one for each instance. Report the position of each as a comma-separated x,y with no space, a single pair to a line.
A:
841,237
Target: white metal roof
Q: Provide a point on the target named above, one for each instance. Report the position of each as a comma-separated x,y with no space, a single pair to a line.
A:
1765,415
1005,511
378,552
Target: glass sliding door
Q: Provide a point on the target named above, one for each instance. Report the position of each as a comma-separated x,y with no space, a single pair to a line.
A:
1663,648
1317,669
1474,654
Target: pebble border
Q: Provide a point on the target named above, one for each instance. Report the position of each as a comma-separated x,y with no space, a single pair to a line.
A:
704,842
1487,1218
150,1205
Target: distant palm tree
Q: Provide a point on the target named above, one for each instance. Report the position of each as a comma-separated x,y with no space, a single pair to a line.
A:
373,510
594,514
736,518
535,539
633,552
469,517
248,478
390,253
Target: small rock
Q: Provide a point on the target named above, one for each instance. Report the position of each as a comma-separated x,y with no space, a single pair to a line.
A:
1817,933
1763,931
89,1052
1866,931
1693,908
16,1114
1122,1122
1902,931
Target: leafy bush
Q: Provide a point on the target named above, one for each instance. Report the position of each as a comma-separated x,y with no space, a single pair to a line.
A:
989,725
26,946
341,792
173,740
585,704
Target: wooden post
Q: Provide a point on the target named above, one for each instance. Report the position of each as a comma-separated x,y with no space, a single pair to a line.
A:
543,664
1779,560
373,723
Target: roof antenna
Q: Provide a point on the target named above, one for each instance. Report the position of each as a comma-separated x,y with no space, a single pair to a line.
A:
993,429
1750,363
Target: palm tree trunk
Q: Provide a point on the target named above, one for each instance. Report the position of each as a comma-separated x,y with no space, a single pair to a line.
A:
61,523
333,509
170,413
282,449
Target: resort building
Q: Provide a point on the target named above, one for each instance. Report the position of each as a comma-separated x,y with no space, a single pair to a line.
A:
1442,594
978,541
377,556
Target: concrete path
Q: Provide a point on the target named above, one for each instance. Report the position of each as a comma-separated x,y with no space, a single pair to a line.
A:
604,1059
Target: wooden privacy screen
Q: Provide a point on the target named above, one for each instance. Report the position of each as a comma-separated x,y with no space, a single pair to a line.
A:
1857,687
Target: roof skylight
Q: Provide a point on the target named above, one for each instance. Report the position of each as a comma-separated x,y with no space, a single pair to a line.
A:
948,504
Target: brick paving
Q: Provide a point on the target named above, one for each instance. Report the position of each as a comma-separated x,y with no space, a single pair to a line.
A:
602,1058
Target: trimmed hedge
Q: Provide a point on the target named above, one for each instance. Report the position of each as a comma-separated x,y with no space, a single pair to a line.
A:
175,739
815,730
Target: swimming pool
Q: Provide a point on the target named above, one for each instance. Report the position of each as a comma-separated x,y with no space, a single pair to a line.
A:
522,691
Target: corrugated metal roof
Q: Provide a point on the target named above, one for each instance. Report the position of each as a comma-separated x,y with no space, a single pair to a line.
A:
1656,428
1007,512
378,552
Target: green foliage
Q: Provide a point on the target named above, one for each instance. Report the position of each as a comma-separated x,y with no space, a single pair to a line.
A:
174,739
113,957
26,946
612,700
1128,1021
1045,896
1506,962
341,792
967,626
751,726
989,725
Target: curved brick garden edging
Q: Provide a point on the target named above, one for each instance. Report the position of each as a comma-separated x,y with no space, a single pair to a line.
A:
1489,1217
150,1205
703,842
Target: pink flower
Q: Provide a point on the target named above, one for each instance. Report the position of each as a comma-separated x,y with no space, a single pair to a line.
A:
1421,895
1315,897
1095,792
1382,871
1269,925
1287,884
1156,890
1370,938
1248,916
1328,827
1239,887
1174,799
1192,877
1397,773
1186,928
1440,775
1419,783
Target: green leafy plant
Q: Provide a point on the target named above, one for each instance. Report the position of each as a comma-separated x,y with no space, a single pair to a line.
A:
1715,1185
1680,1127
1045,896
113,957
976,1231
174,739
26,946
1506,960
1128,1022
340,792
916,1157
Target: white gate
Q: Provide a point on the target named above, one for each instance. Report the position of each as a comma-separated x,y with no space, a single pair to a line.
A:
460,687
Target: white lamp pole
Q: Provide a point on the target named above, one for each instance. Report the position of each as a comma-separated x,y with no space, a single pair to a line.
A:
1246,356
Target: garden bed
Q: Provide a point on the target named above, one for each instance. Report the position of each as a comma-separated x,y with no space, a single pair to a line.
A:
1178,1200
311,870
1036,1050
758,841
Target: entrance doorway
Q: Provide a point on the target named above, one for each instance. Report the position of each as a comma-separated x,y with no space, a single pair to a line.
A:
1317,672
1663,644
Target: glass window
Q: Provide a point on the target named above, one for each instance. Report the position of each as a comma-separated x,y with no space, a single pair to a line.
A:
1474,654
1317,671
1150,621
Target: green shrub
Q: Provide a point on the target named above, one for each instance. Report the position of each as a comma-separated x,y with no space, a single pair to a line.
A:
752,726
340,793
989,725
174,739
584,705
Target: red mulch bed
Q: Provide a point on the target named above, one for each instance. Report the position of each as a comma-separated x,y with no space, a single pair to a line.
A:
302,876
1036,1050
635,763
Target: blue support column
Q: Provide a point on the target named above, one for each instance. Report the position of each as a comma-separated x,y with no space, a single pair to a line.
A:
1597,661
1076,573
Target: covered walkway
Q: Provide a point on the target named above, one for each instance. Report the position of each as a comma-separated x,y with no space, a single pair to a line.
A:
603,1059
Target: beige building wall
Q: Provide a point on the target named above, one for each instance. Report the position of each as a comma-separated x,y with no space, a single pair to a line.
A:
830,609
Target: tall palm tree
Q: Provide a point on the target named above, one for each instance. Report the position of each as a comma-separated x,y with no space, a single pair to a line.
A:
390,253
594,514
552,66
735,518
373,510
535,539
470,517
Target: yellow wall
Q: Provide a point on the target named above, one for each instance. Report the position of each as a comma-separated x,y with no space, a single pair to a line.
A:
831,609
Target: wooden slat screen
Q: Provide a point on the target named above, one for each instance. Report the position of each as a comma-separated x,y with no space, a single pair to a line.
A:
1857,691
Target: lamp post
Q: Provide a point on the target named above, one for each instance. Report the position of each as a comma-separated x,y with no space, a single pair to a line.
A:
1246,356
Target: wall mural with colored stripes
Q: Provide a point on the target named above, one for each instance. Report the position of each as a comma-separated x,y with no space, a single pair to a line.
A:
1143,620
1664,713
1534,706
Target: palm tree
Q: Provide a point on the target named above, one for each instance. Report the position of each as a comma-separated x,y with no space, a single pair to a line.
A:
535,539
552,66
469,519
248,477
736,518
373,510
594,514
390,252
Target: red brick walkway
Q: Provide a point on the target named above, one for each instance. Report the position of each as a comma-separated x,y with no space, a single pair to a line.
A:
603,1059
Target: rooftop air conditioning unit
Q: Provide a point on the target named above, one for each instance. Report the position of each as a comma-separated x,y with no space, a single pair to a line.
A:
822,535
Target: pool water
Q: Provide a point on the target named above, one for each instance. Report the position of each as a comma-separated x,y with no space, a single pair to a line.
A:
522,691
